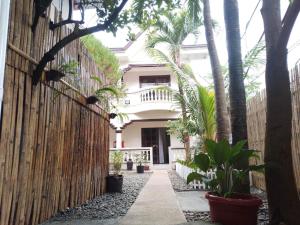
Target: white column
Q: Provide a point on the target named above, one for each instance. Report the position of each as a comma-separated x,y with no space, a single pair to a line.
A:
4,17
118,138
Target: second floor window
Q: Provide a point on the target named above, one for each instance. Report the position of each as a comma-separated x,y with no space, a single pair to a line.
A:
148,81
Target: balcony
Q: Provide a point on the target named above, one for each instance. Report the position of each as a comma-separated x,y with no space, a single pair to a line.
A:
154,98
155,95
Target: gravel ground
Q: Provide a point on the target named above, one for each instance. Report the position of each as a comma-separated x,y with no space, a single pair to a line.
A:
179,185
109,205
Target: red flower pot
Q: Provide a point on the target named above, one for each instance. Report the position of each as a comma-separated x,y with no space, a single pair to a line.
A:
240,209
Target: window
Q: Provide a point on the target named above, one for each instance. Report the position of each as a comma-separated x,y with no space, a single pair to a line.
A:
147,81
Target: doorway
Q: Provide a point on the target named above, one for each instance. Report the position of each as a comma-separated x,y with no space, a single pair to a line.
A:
159,139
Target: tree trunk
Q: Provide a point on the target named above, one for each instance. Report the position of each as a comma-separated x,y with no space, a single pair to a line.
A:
220,98
284,204
236,85
184,119
183,110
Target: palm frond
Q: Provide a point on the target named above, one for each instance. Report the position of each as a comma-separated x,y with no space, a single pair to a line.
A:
108,90
194,11
207,102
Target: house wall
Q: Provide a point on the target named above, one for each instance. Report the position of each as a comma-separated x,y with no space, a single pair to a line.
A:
112,137
131,78
53,147
132,134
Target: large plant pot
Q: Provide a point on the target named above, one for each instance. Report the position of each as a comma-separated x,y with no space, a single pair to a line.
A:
114,183
240,209
140,169
129,164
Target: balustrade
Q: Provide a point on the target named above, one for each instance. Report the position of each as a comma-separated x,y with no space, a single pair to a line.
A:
155,95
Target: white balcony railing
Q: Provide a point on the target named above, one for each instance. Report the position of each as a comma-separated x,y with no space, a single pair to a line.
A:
155,95
133,153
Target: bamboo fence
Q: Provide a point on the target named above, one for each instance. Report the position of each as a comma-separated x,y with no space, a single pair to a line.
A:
53,147
256,121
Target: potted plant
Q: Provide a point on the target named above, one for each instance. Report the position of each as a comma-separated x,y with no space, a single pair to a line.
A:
61,71
115,180
226,206
129,164
139,163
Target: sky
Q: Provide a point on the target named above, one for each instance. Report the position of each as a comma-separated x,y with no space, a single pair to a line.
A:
250,35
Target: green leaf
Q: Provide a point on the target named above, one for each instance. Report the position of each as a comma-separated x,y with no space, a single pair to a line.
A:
243,155
194,176
210,147
95,78
202,161
220,175
235,150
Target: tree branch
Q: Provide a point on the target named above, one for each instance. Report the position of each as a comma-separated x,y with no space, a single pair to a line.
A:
50,55
53,26
288,23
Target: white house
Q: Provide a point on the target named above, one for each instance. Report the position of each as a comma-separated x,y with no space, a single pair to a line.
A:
149,107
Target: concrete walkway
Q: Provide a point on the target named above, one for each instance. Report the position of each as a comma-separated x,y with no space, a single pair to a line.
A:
193,201
156,204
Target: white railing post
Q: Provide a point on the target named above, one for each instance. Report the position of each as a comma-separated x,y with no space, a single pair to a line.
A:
151,157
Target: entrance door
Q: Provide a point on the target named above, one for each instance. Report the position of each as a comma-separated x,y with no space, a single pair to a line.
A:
159,140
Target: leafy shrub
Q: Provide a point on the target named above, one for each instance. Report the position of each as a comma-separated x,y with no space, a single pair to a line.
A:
104,58
223,159
117,160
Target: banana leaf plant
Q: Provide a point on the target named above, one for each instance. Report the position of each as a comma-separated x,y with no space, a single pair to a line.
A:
223,158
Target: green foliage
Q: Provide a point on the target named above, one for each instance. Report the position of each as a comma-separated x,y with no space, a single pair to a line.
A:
108,93
104,58
179,128
223,158
172,29
69,68
206,104
117,160
139,159
253,59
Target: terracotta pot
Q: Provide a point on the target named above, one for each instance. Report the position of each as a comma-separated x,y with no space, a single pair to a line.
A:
146,167
114,183
240,209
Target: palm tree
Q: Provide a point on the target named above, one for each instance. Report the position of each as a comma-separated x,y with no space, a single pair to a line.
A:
194,9
220,99
237,94
236,82
172,29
